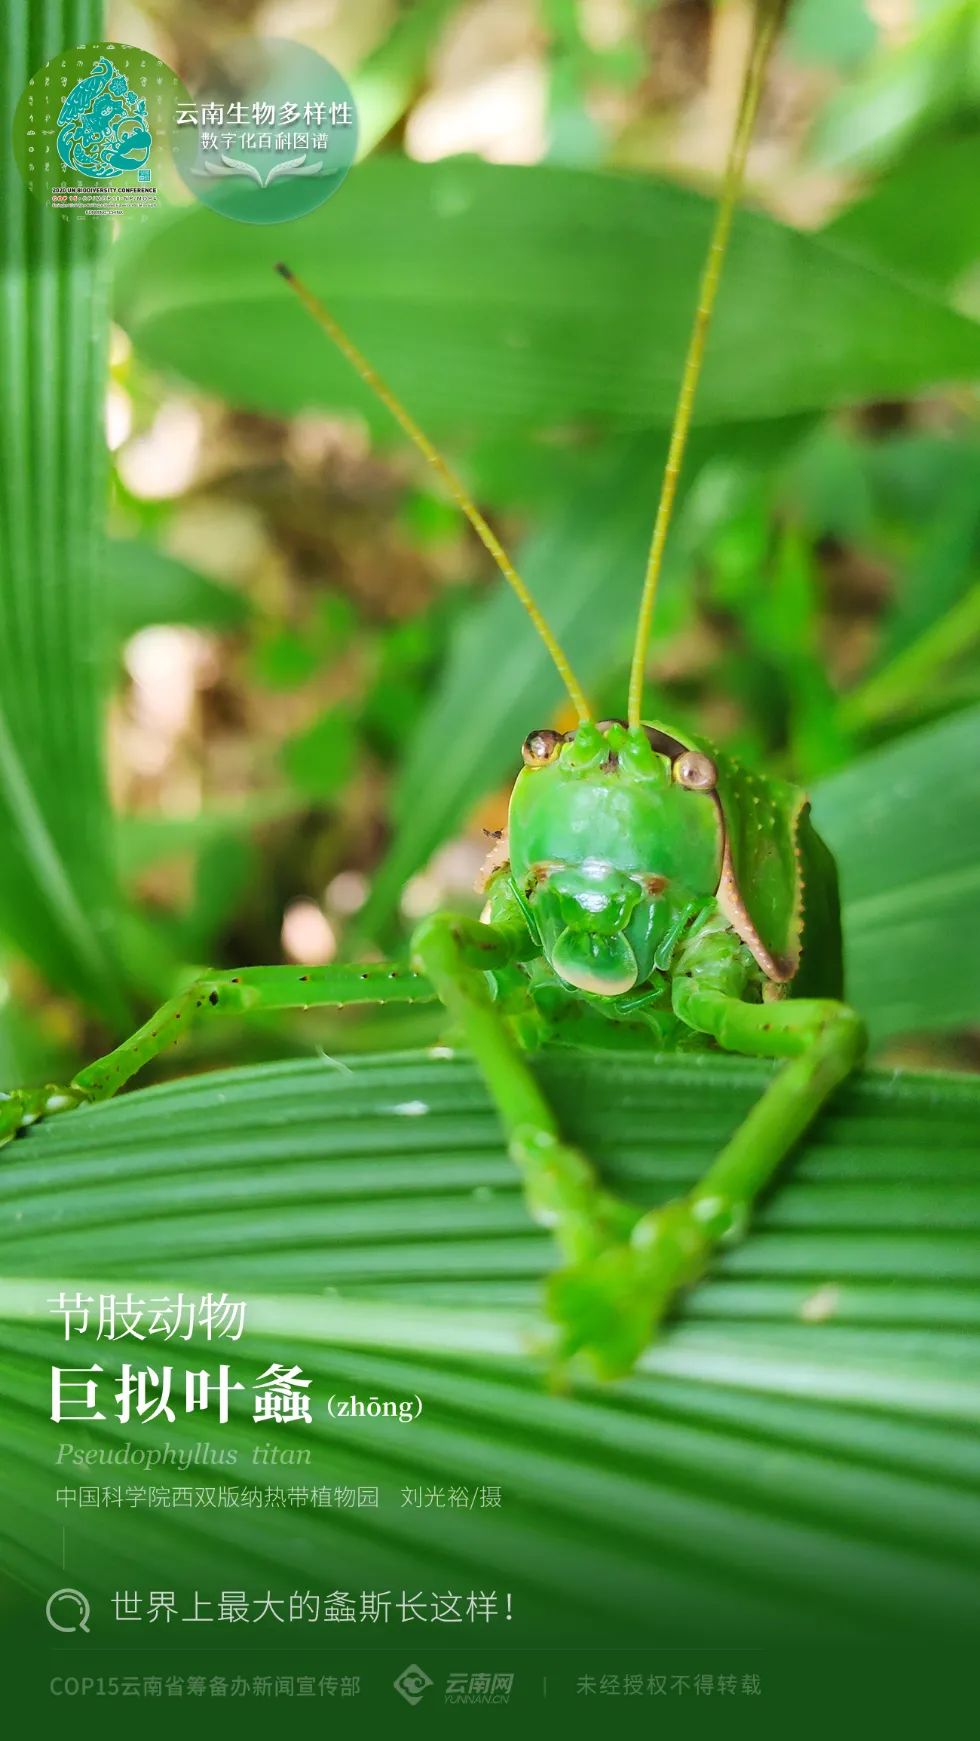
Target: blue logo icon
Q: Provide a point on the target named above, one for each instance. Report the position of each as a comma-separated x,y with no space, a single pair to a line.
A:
103,127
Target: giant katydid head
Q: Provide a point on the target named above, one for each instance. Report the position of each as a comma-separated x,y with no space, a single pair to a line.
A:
610,822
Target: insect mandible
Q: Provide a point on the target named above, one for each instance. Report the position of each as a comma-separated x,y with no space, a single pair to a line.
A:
649,890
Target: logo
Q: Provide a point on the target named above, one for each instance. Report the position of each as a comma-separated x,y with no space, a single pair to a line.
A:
93,131
272,134
68,1611
103,125
479,1689
412,1683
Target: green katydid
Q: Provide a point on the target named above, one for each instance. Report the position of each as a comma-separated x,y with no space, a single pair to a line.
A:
649,891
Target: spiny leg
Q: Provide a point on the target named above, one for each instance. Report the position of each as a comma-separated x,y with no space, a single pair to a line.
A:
561,1187
244,991
614,1303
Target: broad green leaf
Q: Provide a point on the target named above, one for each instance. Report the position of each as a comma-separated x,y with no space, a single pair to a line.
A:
297,1175
904,825
57,884
795,1451
148,586
500,298
938,183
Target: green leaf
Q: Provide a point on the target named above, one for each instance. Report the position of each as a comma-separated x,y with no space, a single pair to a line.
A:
500,298
795,1451
57,882
912,678
904,824
387,80
938,182
913,499
914,89
945,564
146,586
912,475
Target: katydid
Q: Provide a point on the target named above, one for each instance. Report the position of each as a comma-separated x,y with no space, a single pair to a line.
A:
648,891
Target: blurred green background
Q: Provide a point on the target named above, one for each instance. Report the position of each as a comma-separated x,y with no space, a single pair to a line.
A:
310,689
260,696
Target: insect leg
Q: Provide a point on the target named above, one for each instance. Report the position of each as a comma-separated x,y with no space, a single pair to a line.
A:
613,1304
239,991
560,1185
825,1040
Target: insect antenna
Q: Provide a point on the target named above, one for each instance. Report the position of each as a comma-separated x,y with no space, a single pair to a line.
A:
768,17
453,483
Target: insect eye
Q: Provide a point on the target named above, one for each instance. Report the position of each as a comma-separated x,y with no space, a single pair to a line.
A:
698,773
541,747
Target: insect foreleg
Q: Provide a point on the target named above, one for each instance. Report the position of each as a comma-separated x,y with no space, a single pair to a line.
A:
610,1306
240,991
560,1185
825,1041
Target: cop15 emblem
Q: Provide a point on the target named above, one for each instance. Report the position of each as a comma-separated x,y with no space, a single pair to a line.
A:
93,130
103,125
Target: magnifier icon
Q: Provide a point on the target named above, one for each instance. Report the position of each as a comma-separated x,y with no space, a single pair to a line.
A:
74,1612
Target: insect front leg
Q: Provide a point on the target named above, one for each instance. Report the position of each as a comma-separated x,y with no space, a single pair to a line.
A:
240,991
614,1303
824,1040
561,1187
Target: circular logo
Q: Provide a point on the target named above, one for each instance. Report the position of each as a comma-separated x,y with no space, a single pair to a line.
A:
270,136
92,126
